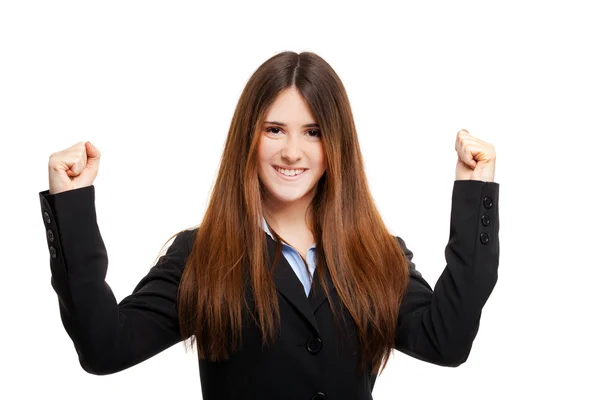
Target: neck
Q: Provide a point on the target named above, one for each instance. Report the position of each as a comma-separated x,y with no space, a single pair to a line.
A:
286,217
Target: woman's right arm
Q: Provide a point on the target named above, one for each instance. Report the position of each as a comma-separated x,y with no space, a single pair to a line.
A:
108,337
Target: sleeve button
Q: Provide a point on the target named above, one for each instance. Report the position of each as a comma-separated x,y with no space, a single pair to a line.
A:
50,235
47,217
485,219
484,238
52,252
488,202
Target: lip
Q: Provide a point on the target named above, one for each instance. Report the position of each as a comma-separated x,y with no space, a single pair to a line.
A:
289,178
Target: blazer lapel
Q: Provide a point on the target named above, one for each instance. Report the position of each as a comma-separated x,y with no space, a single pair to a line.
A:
317,294
291,288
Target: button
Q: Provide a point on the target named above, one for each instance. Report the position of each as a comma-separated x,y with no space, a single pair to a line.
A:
485,219
487,202
47,217
319,396
52,252
484,238
314,345
50,235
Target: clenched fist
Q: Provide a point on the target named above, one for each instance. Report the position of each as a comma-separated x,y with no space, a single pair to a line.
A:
73,168
476,158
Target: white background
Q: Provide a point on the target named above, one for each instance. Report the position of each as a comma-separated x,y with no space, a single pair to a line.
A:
154,84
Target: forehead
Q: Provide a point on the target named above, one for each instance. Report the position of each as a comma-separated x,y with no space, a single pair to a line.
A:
290,108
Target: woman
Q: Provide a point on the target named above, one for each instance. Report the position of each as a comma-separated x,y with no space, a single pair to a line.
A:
291,287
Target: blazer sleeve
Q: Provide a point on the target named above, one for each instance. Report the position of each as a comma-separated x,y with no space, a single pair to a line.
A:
439,326
107,336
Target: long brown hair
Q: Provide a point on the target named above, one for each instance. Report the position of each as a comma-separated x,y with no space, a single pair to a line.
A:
366,263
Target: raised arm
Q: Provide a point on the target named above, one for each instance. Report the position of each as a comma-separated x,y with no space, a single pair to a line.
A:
439,326
108,337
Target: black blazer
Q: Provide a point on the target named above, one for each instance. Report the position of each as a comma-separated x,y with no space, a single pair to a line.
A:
307,362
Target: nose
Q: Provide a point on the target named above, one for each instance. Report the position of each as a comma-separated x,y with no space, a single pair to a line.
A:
292,150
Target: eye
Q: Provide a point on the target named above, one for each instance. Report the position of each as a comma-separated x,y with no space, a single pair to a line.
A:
317,132
272,127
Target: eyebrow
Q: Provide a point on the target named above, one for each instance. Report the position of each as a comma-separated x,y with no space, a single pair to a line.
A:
282,124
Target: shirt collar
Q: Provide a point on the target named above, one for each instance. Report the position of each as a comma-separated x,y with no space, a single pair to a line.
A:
266,227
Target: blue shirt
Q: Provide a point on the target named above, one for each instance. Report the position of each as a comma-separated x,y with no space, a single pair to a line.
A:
295,260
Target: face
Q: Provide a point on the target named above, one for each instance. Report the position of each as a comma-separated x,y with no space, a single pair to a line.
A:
290,139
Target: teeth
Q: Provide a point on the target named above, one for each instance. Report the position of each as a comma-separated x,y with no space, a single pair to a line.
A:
290,172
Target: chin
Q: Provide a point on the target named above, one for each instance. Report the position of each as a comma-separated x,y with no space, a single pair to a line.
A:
287,197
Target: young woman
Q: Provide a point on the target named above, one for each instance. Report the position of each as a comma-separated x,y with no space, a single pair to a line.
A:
291,287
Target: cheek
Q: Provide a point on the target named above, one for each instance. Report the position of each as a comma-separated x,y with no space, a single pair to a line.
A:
320,157
266,149
261,156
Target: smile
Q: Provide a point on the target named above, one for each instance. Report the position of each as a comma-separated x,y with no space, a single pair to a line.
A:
291,173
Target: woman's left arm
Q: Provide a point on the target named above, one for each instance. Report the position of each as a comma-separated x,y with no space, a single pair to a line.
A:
439,326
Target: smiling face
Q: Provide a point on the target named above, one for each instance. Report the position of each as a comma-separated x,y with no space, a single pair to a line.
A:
291,139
